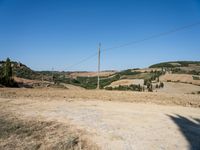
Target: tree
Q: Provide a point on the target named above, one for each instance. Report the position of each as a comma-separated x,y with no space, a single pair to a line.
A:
7,70
157,86
161,84
6,78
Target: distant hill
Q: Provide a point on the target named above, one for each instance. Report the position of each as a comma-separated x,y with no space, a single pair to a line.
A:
88,80
173,64
21,70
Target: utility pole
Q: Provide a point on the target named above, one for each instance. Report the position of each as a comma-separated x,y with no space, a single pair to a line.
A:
42,80
99,52
52,75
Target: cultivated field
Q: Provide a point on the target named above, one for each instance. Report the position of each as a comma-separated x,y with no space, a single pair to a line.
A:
180,88
127,82
90,119
92,74
184,78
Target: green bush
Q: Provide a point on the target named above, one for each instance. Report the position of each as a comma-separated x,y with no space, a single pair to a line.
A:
161,84
6,77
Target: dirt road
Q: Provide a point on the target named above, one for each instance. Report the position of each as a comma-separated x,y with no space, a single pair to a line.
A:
117,125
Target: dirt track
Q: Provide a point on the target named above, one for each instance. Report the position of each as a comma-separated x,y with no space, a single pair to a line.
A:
115,125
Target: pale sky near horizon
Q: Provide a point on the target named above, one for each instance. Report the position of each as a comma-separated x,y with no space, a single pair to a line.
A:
46,34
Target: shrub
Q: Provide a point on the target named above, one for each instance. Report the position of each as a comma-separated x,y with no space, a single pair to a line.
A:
6,78
157,86
161,84
109,88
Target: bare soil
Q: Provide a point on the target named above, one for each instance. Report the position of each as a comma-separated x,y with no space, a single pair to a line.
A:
103,119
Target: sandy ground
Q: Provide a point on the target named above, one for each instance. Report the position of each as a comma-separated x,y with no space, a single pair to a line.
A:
112,124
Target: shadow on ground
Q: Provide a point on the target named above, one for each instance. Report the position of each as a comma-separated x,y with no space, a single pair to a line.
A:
190,129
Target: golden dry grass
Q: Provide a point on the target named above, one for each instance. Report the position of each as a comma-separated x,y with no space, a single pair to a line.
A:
126,82
17,132
185,78
123,96
92,74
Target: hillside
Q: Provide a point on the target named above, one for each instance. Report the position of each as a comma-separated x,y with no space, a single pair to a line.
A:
150,79
21,70
172,64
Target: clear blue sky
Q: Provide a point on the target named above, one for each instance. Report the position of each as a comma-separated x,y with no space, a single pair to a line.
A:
58,33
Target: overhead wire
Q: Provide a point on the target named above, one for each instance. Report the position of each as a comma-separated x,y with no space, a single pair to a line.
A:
136,41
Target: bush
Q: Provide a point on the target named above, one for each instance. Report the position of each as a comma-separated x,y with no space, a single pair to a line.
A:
6,78
161,84
157,86
109,88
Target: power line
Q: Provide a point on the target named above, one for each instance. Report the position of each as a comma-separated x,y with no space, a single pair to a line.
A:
83,60
137,41
153,36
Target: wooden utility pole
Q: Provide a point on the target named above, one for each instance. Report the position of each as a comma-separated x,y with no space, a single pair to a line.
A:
99,52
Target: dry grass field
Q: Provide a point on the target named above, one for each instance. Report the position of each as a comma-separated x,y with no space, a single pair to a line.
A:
50,118
184,78
92,74
126,82
179,88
